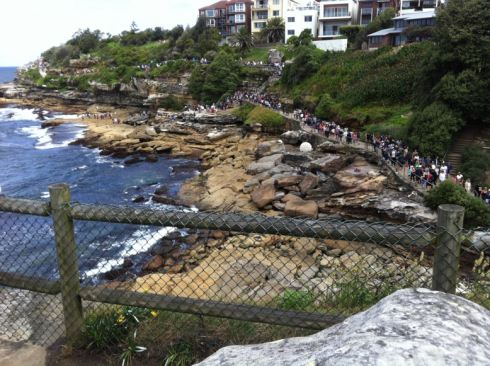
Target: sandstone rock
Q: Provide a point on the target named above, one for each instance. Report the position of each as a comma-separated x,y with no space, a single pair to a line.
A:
276,159
275,56
301,208
291,197
215,118
256,167
287,180
309,182
333,147
330,163
283,169
251,185
153,264
396,331
296,159
263,195
270,148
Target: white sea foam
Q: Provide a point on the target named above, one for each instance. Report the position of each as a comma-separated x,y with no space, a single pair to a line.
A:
140,242
17,114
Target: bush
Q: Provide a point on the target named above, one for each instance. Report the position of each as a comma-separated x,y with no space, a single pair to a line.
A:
266,117
171,103
324,109
448,192
430,131
475,163
243,112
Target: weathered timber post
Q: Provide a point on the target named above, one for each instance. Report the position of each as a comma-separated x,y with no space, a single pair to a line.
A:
68,262
446,257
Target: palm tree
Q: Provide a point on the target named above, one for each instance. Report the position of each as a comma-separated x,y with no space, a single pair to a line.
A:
242,39
274,30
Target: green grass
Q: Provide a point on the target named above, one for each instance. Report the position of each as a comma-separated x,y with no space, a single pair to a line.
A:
257,54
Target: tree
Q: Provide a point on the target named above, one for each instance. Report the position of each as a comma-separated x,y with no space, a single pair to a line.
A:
324,108
221,78
431,130
304,39
242,39
274,30
417,33
303,65
86,40
133,27
382,21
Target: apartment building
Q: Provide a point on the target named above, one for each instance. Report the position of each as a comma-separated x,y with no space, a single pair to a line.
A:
263,10
335,14
370,9
228,16
300,18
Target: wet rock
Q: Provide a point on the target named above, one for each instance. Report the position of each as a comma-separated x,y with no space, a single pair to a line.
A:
154,263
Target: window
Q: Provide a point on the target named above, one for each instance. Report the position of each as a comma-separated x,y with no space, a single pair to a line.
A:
240,18
290,32
308,18
275,13
290,19
259,25
262,15
210,22
231,9
276,2
376,39
210,13
239,7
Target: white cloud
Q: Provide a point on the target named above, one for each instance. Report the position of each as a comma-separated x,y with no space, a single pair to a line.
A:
29,27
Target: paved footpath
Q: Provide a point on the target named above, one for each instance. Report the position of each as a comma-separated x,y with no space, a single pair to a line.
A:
21,354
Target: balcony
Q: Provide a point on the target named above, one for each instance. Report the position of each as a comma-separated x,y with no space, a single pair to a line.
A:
335,15
381,10
263,17
367,11
260,6
331,33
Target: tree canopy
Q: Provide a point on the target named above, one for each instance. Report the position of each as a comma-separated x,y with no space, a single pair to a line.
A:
274,30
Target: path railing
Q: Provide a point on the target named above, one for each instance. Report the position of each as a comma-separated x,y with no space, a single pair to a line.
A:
290,272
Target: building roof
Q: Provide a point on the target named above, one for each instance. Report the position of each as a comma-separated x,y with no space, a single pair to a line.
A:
223,3
384,32
417,15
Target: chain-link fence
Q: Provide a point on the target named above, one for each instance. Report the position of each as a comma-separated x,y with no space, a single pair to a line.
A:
183,283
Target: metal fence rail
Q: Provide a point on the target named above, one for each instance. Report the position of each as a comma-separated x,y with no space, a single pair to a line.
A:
253,270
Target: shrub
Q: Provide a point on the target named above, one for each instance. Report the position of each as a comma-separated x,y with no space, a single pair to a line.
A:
324,109
430,131
448,192
475,163
243,112
171,103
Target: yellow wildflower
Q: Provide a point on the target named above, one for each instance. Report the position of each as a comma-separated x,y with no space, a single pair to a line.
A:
121,319
119,311
153,313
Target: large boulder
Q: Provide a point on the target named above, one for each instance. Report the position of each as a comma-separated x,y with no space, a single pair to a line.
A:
275,56
263,195
270,148
412,327
301,208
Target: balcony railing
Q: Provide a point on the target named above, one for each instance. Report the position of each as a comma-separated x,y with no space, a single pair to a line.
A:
263,17
260,6
331,33
367,11
338,14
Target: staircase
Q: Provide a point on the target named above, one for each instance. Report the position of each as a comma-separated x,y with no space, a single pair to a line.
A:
469,134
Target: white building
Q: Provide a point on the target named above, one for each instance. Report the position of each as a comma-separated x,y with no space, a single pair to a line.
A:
302,17
335,14
263,10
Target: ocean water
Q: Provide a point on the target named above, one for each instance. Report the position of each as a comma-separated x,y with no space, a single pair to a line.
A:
32,158
7,74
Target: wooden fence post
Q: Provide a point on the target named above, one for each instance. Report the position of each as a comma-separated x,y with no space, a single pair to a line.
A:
446,257
68,262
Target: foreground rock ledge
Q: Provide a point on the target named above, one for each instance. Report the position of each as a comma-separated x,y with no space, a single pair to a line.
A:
411,327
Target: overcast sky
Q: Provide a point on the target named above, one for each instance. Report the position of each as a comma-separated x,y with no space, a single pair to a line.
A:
30,27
